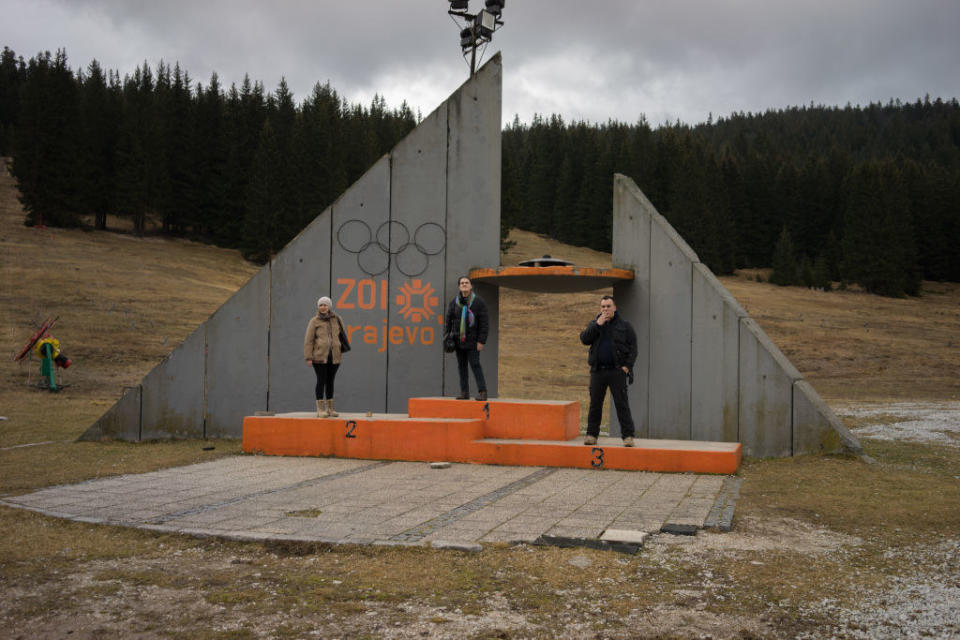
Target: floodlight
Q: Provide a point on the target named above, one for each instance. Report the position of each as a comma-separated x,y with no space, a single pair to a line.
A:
476,28
487,23
495,6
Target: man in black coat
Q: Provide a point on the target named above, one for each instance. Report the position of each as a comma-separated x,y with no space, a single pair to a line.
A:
469,324
613,350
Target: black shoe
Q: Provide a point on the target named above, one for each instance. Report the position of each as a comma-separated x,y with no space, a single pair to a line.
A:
464,395
481,396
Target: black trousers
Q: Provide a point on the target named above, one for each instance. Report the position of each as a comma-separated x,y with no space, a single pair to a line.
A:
473,357
616,381
326,372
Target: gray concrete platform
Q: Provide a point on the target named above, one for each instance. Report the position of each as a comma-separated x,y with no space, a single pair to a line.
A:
345,501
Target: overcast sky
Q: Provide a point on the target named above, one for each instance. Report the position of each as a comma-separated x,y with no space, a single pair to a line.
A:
609,59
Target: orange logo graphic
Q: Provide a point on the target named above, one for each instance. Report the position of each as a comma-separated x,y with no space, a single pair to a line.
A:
428,301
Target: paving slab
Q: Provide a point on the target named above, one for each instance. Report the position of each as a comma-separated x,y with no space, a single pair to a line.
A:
395,503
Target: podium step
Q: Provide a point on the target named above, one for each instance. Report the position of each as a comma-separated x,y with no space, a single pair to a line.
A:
356,435
507,418
467,439
609,453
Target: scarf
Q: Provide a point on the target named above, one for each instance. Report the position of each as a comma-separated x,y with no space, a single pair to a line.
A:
328,319
466,316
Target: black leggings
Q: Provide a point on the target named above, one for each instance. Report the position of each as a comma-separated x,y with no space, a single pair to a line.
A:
326,372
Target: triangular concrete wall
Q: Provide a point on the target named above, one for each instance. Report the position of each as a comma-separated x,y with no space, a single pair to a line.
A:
705,370
388,252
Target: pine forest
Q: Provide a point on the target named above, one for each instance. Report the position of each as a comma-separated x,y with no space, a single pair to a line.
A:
824,195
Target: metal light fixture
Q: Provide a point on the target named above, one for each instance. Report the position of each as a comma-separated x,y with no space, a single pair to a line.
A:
467,38
487,23
495,6
477,27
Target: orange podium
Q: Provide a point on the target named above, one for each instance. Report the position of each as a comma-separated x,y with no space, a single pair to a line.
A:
498,431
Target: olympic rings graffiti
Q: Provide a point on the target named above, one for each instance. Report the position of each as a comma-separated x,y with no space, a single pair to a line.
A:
392,243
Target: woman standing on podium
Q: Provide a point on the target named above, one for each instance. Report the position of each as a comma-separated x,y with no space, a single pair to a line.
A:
468,325
323,345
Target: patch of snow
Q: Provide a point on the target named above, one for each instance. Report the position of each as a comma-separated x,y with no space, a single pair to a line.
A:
935,423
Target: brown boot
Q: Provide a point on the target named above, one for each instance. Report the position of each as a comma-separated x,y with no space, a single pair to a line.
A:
330,412
320,409
482,396
463,396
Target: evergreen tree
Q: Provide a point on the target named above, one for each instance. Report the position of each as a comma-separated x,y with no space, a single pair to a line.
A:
786,270
137,149
210,150
46,142
100,110
262,228
12,77
878,244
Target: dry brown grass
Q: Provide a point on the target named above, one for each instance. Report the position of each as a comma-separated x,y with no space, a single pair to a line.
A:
60,578
853,346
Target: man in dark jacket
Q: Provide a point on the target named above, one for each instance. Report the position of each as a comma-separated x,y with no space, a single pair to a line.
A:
468,323
613,350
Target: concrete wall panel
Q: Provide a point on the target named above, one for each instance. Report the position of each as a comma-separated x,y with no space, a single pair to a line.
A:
418,206
671,293
360,287
120,422
236,373
473,200
766,394
299,276
631,250
816,429
714,359
173,392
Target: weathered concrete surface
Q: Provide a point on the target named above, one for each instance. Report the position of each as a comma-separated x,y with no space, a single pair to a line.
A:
121,421
631,250
360,262
473,203
715,347
766,394
816,428
173,392
236,368
705,370
418,195
299,276
387,503
671,296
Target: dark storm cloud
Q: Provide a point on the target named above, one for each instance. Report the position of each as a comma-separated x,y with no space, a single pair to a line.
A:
613,59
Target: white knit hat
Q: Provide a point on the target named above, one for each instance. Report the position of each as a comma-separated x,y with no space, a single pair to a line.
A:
325,300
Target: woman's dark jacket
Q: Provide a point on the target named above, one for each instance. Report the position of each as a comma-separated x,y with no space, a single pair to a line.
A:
476,333
624,341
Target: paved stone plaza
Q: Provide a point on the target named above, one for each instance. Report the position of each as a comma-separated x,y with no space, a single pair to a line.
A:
348,501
